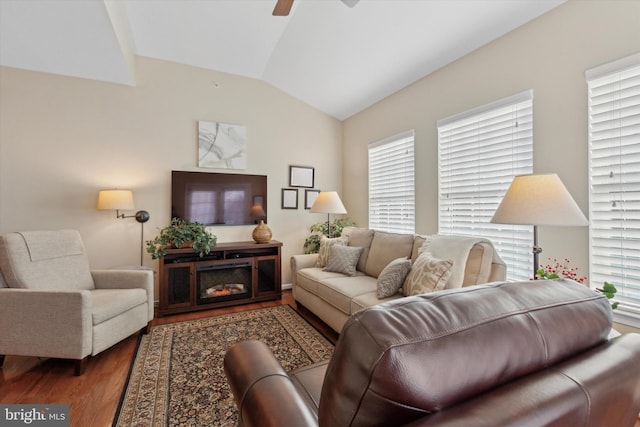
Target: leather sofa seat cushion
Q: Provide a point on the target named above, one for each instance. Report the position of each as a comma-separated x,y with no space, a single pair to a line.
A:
340,291
362,238
308,381
464,342
386,247
109,303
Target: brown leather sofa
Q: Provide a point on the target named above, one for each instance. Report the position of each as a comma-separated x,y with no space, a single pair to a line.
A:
502,354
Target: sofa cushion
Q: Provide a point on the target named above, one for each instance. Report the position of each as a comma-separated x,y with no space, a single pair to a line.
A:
370,299
392,277
339,291
460,249
360,237
25,262
109,303
478,268
418,241
428,274
325,248
310,278
386,247
343,259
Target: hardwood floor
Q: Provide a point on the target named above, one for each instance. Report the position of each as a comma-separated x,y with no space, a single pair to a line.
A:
94,396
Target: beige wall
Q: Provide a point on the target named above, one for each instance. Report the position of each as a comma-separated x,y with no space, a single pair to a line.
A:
63,139
550,56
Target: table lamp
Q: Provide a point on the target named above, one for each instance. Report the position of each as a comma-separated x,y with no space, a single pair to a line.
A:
328,202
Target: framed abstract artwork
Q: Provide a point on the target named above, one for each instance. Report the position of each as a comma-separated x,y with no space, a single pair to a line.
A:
222,145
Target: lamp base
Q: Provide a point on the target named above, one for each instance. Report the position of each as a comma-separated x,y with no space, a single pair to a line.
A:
262,233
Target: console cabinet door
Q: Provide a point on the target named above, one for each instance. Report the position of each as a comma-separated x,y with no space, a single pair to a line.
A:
267,276
179,284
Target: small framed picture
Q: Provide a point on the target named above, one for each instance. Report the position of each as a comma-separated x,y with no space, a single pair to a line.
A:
301,176
289,198
310,197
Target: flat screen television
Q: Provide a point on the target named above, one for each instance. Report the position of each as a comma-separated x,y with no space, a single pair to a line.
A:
219,198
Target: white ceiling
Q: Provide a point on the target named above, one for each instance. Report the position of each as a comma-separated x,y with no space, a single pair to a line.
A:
340,60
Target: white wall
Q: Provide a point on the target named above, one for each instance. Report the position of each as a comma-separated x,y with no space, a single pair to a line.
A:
550,56
63,139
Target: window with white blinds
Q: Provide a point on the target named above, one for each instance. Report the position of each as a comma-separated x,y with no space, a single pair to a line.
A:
614,174
479,153
392,184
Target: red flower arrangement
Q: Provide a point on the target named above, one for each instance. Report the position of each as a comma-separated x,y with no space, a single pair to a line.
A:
556,269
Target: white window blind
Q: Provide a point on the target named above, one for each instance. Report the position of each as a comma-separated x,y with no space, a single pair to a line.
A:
614,174
479,153
392,184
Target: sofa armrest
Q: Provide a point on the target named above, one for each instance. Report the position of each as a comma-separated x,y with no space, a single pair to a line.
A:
46,323
126,279
264,394
298,262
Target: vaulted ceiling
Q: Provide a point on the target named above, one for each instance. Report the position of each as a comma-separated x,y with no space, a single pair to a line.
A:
339,60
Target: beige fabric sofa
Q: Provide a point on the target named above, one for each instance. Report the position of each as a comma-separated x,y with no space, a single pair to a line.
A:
53,305
334,297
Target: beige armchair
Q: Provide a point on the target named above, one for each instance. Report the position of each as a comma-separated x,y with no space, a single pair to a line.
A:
53,305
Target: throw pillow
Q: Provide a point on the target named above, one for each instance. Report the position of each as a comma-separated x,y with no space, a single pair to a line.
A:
428,274
343,259
325,246
392,277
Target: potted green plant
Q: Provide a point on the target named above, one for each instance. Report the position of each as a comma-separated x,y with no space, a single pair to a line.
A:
182,233
312,243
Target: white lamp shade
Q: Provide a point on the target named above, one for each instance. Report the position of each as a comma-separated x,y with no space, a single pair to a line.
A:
328,202
115,200
538,200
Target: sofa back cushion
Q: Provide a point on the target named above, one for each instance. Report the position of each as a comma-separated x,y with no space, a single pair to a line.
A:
361,238
385,247
45,260
483,264
398,361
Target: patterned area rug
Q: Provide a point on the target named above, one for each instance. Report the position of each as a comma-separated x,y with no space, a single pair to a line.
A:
177,377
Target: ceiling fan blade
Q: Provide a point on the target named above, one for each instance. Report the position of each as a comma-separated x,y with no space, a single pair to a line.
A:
350,3
283,7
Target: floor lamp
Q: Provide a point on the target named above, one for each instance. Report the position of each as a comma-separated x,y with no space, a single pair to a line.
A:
123,200
328,202
538,200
